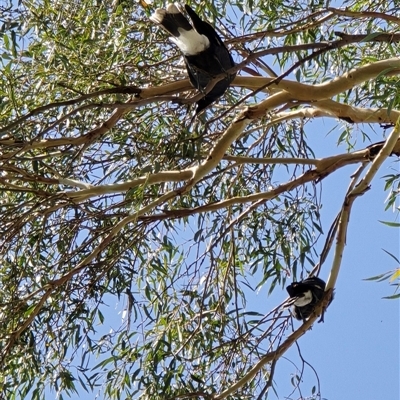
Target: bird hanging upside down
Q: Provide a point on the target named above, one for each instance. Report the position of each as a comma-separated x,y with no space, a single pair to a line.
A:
205,54
305,295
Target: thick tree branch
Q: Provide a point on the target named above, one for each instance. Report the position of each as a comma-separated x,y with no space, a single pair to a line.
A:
355,191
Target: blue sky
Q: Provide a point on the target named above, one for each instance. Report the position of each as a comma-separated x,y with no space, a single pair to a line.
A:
356,350
362,342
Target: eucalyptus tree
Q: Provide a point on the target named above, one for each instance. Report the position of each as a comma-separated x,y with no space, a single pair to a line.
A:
116,199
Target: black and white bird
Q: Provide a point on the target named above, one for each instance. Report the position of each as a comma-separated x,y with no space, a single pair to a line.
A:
205,54
305,295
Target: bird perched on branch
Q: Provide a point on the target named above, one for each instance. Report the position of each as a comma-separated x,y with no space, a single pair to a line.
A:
305,295
205,54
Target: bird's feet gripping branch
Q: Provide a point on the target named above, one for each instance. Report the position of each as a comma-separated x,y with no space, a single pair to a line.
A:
206,56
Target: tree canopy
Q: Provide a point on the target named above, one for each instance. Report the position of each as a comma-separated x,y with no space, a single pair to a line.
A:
112,193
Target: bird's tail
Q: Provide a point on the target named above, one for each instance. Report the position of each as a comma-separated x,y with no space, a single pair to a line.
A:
171,19
189,41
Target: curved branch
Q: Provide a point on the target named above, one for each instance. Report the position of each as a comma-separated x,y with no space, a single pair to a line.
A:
296,91
276,354
364,14
164,176
350,114
254,160
290,91
324,167
143,93
354,192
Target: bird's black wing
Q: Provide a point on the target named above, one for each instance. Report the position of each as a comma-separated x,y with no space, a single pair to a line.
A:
313,283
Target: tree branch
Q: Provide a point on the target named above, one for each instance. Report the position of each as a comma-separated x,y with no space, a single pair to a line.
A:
354,192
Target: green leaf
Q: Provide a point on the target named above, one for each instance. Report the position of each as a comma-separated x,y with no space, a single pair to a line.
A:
392,255
391,224
101,316
377,277
395,296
